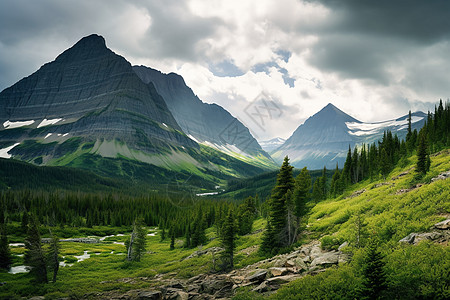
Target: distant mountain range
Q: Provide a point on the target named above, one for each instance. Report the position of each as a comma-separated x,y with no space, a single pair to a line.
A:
323,139
91,109
272,144
90,103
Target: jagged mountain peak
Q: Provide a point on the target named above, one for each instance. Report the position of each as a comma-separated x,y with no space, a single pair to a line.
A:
331,114
89,47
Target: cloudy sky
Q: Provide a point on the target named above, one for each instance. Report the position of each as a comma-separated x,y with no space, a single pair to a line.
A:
373,59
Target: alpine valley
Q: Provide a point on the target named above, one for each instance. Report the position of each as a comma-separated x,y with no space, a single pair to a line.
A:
91,109
118,182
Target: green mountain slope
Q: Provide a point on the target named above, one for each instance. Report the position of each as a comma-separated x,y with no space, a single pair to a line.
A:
261,185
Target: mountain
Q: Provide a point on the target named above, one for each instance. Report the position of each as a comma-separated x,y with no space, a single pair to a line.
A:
208,124
90,104
323,139
272,144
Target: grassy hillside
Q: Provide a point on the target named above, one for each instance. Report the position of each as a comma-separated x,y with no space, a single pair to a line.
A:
387,211
91,172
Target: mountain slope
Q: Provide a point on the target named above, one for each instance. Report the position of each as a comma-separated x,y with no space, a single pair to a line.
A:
89,103
323,139
93,93
209,124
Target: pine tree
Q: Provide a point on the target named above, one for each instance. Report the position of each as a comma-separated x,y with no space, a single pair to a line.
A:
292,220
163,234
301,194
346,175
317,191
172,238
53,261
34,254
355,166
228,241
385,165
409,134
277,208
335,182
5,252
268,241
187,243
24,222
374,277
246,215
423,159
136,245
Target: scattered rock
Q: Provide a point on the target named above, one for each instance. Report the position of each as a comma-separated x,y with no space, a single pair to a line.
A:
357,193
409,239
343,245
175,294
278,271
441,176
289,264
380,185
282,279
150,295
400,175
263,287
203,252
415,238
259,276
444,225
328,258
402,191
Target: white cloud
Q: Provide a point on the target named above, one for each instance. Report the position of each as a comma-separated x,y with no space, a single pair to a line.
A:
369,71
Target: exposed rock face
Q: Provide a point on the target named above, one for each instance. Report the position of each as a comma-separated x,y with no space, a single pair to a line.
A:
324,138
206,123
90,92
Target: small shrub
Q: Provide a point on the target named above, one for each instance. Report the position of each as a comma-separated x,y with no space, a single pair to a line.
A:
330,243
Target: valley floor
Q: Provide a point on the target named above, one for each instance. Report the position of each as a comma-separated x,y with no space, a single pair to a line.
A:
388,210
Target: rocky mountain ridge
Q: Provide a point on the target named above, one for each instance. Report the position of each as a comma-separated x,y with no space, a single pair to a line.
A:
208,124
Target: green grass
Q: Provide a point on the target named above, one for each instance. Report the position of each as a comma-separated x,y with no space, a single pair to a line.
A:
385,212
103,272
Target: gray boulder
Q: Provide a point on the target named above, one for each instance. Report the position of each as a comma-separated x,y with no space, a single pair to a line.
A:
326,259
258,276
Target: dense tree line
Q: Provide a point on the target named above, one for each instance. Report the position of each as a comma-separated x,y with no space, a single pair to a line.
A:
371,161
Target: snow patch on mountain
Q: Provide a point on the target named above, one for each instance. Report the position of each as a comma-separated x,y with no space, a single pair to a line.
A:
4,152
371,128
10,125
46,122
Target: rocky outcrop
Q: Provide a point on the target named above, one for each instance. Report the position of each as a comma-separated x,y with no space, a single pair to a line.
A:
440,236
264,276
444,225
441,176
